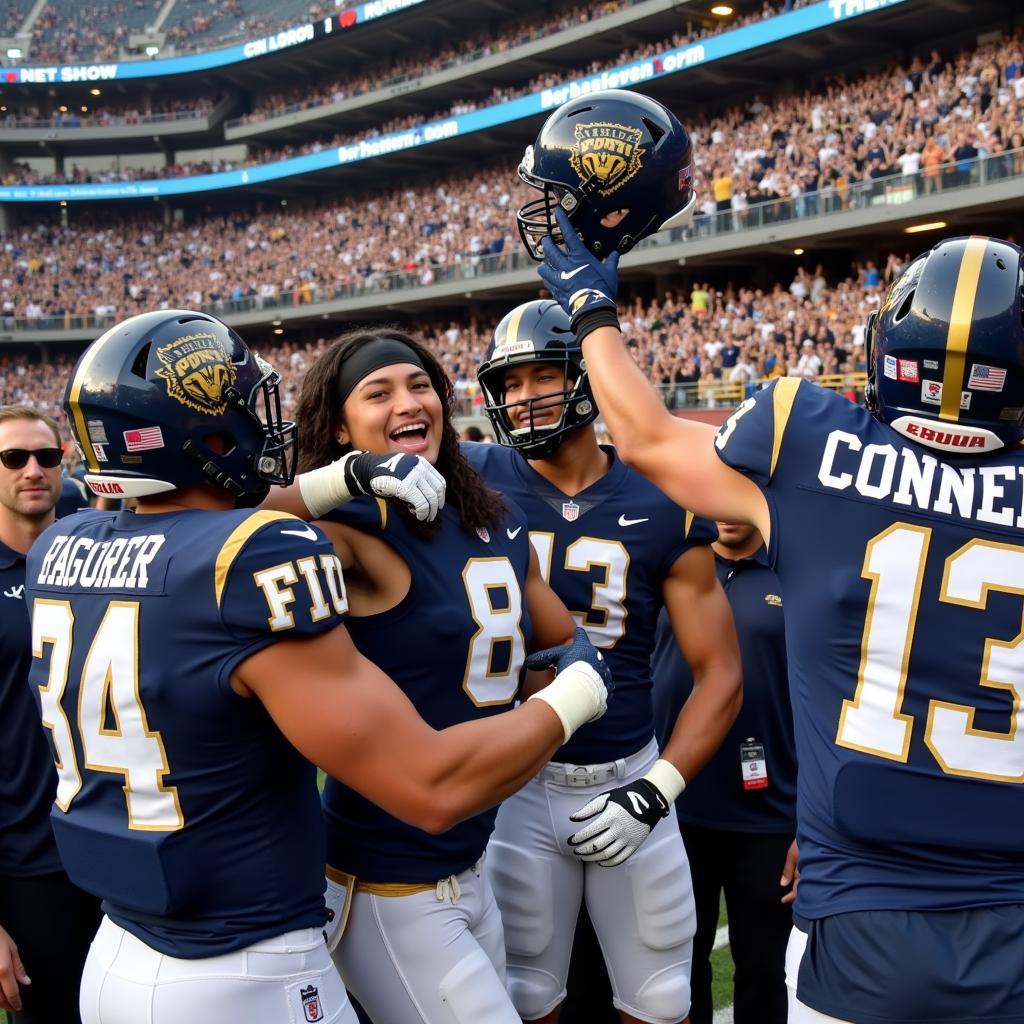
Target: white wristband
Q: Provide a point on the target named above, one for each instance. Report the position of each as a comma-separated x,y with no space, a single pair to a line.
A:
577,695
324,489
666,777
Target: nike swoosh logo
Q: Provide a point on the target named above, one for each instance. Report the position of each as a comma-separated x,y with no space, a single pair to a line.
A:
623,521
307,533
566,274
512,534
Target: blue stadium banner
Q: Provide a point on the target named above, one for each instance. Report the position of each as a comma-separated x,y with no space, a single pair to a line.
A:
297,35
669,62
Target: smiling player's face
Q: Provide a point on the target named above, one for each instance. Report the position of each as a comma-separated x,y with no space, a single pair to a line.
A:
394,409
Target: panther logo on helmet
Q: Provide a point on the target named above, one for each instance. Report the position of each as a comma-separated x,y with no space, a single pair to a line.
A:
609,153
197,369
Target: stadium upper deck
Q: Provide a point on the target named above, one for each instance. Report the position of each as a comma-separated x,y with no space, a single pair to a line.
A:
336,136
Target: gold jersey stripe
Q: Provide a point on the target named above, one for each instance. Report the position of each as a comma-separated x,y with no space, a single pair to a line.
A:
960,319
783,397
236,541
383,506
689,523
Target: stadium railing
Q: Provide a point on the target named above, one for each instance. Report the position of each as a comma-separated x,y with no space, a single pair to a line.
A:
718,394
897,191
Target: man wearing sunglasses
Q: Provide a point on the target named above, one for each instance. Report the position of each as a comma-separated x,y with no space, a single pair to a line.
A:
47,923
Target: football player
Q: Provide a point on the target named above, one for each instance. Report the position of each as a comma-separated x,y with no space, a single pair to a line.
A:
896,533
615,550
423,940
191,666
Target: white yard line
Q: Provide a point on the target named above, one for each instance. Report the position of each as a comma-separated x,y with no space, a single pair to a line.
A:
723,1016
721,938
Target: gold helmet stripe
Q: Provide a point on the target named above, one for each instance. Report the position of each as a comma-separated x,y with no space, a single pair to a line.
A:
512,333
960,320
74,396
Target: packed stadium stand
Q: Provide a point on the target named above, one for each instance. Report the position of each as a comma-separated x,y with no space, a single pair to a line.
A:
813,155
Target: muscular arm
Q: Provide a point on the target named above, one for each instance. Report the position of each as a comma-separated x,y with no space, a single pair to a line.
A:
552,623
349,718
704,629
676,454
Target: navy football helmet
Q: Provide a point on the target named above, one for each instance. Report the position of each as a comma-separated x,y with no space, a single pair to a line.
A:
946,349
175,398
603,154
535,332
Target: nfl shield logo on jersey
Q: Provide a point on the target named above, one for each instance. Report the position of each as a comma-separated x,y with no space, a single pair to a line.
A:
311,1003
570,511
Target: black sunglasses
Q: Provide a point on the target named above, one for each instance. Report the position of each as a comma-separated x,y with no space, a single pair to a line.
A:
17,458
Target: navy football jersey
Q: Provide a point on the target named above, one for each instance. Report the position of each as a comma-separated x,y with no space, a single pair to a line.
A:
902,572
718,797
179,802
605,552
455,644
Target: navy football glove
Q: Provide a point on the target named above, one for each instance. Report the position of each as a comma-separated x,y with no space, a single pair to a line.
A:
581,649
409,478
580,283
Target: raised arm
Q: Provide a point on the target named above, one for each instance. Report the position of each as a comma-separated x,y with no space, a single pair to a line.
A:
678,455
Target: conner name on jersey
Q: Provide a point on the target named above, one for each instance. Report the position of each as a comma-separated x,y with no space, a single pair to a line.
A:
120,563
904,476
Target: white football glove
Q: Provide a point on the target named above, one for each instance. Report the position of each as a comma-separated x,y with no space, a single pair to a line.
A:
625,816
410,479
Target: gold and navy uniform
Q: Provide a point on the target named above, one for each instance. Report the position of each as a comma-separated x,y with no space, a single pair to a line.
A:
606,553
455,644
901,570
180,802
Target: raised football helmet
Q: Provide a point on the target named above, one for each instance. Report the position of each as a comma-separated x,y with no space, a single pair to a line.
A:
175,398
535,332
618,163
946,348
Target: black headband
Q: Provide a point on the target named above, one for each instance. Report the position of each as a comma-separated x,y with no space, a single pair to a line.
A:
370,357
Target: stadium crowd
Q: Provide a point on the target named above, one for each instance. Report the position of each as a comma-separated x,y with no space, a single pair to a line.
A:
107,114
485,44
927,124
690,341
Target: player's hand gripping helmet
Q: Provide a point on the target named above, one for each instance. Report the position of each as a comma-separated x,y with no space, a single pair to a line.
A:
535,332
175,398
946,348
603,154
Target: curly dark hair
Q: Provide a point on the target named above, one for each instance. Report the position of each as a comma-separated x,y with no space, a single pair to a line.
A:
319,417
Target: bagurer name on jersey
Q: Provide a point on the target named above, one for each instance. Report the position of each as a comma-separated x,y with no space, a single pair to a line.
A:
84,562
991,494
